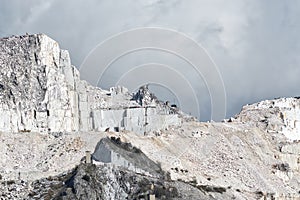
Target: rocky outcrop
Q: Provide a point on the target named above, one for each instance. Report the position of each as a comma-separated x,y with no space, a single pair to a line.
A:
278,115
123,154
40,91
89,181
145,98
108,182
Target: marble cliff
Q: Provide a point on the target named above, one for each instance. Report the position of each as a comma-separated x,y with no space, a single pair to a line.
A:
41,91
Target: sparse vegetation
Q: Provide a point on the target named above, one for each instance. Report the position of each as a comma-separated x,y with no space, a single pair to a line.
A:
259,194
281,166
124,145
86,178
210,188
10,182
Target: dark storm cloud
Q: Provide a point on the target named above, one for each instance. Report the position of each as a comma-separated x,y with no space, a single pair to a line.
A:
255,44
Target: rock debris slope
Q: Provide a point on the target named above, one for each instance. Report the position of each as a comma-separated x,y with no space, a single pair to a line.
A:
49,118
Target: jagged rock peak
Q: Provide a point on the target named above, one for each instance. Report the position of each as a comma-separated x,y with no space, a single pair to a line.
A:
144,97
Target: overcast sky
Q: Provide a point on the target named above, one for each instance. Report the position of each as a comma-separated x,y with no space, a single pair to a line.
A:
255,44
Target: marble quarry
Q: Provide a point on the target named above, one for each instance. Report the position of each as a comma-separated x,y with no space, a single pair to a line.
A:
279,115
41,91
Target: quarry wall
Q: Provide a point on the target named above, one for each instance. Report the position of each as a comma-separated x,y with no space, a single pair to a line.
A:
40,91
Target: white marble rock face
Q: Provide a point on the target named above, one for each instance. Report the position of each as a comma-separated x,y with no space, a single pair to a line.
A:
279,115
40,91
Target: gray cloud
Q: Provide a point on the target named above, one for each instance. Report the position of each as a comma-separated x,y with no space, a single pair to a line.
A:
255,44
